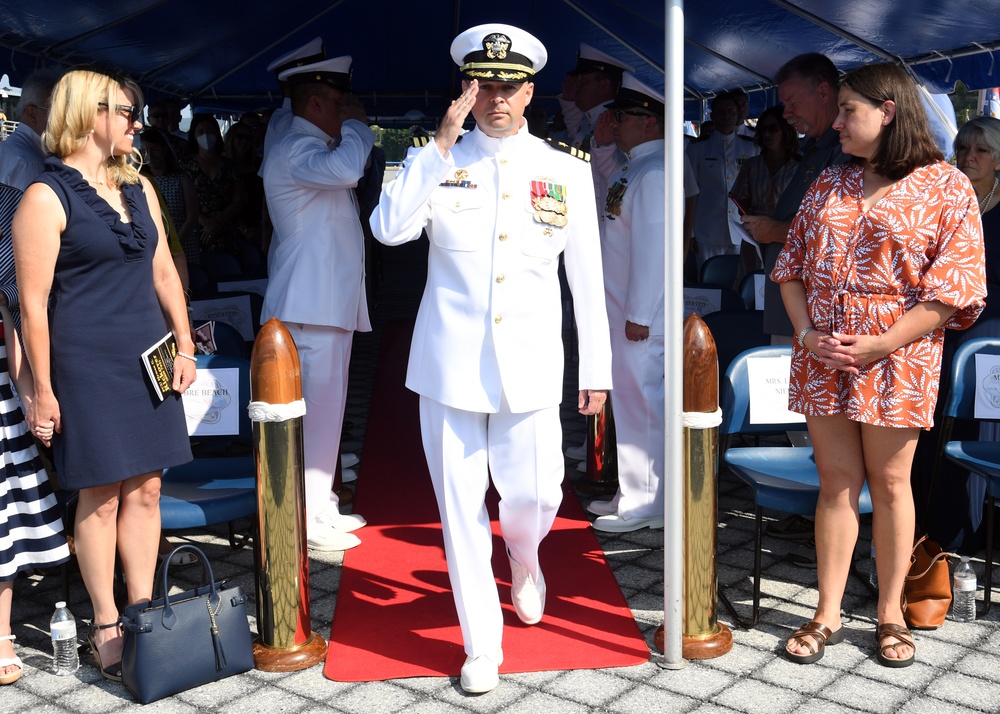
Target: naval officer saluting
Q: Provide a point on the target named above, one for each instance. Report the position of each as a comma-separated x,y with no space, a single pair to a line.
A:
487,355
316,272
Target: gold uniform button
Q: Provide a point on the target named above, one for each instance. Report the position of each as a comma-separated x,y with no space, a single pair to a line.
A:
498,319
499,278
503,162
503,236
505,195
457,204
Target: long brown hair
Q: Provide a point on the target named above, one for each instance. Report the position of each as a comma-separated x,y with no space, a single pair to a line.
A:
906,142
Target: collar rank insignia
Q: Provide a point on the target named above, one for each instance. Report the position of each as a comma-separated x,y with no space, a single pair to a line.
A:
549,201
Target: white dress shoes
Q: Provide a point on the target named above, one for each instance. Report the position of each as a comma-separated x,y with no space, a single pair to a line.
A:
615,523
348,475
328,540
343,522
527,595
603,508
348,460
481,674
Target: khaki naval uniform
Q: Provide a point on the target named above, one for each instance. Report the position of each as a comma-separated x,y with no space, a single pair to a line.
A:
316,278
487,356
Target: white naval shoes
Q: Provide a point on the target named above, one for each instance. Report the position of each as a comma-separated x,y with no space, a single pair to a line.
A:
582,467
577,453
343,522
327,539
603,508
348,460
348,475
481,674
615,523
527,595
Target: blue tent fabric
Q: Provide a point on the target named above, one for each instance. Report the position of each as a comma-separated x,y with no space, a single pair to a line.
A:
215,53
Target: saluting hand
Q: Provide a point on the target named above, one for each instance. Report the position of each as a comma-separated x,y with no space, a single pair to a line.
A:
604,133
352,108
454,118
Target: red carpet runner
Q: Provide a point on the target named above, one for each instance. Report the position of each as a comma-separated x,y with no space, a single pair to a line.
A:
395,616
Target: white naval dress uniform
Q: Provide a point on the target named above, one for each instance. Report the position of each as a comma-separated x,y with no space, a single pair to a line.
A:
316,278
487,355
632,245
716,162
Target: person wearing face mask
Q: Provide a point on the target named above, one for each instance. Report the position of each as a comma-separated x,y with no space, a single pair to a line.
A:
220,192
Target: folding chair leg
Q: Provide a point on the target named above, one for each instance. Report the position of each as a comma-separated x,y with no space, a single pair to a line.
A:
756,582
988,592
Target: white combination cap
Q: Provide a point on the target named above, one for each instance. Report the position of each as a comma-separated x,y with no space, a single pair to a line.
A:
336,72
310,52
497,52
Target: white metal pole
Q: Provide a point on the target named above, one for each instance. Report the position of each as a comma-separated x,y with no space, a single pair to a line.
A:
673,273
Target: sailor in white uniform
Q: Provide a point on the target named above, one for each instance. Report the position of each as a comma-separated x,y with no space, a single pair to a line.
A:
316,275
487,356
632,244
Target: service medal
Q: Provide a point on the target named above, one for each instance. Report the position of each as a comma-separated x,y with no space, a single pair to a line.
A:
549,201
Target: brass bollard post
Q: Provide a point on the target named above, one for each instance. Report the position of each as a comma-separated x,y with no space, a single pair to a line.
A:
286,642
704,636
601,478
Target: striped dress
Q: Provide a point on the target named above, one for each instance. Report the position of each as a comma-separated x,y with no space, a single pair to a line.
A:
31,527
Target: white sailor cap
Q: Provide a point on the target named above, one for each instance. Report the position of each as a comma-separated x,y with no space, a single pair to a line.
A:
637,96
310,52
336,72
590,59
497,52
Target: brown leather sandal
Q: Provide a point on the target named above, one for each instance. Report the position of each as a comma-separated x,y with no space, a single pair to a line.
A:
816,636
903,637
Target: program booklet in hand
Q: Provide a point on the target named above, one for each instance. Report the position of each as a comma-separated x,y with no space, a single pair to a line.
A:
159,363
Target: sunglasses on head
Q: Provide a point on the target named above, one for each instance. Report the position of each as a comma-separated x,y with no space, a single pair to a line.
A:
129,110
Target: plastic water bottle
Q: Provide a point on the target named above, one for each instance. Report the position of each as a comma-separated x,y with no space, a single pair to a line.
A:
65,657
963,606
872,570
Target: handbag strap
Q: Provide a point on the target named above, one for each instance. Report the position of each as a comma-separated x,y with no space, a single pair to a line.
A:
934,560
168,612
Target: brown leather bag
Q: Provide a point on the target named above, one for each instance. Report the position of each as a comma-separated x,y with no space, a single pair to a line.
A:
927,589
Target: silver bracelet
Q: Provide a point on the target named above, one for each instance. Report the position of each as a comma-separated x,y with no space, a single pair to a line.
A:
801,337
190,357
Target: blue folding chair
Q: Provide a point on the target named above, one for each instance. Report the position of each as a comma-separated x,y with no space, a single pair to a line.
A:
980,457
214,489
720,270
783,478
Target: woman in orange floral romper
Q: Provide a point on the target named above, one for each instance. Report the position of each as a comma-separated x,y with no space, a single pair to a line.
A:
884,254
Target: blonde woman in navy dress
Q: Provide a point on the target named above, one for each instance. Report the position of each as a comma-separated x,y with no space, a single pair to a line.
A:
97,288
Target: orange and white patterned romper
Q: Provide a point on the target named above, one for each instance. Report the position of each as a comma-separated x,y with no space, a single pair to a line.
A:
922,241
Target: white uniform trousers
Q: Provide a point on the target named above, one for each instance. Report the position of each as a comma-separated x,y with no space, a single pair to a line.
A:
325,356
523,454
637,371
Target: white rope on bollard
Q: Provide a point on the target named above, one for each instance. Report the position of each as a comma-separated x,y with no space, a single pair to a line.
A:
264,412
702,420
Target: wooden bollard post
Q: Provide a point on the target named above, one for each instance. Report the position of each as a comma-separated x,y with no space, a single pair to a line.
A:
704,636
286,642
602,454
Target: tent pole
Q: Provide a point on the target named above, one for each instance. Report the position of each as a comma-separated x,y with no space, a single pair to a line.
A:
673,272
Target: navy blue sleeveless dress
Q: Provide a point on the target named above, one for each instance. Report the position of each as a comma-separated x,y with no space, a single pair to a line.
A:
103,314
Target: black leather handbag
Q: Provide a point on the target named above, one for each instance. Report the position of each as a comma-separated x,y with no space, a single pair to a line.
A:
178,642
